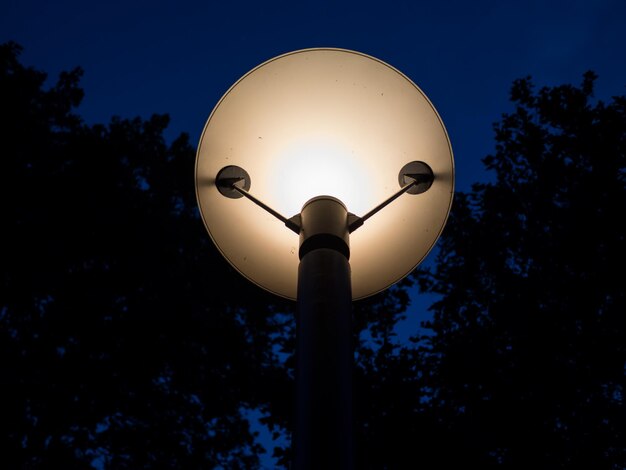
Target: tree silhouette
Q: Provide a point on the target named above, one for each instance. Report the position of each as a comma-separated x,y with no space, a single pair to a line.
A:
125,338
527,358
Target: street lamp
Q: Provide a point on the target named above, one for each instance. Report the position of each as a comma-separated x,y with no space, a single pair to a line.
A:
324,176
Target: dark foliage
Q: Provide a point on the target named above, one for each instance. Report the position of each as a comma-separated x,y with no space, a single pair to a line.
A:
124,336
527,361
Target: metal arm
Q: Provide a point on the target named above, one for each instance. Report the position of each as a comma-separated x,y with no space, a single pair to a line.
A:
233,182
361,220
290,223
414,180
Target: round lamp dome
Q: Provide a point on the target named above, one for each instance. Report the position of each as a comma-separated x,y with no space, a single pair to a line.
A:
324,122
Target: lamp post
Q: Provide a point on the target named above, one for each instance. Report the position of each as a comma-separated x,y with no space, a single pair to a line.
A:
357,152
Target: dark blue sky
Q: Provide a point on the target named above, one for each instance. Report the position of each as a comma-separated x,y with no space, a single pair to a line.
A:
178,57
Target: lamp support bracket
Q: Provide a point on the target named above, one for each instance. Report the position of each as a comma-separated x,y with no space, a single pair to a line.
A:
234,182
414,178
291,224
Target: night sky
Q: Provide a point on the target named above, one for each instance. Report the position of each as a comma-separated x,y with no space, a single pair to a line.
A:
143,57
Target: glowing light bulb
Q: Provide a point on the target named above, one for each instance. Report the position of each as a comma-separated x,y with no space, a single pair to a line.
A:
314,168
324,122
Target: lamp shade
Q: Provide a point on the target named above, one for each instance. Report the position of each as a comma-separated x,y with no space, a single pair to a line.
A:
324,122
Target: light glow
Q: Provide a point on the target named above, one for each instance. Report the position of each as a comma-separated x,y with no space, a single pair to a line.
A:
313,168
324,122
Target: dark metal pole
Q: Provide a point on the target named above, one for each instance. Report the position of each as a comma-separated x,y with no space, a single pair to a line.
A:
323,434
